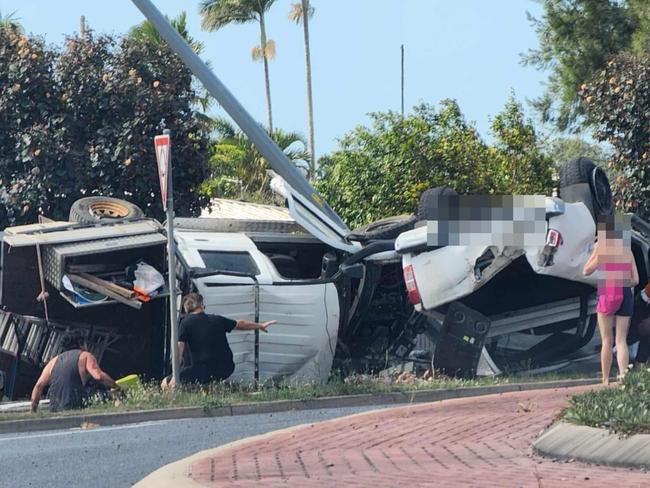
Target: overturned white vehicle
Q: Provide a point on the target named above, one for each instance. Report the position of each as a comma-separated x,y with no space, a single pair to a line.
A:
472,301
517,306
365,299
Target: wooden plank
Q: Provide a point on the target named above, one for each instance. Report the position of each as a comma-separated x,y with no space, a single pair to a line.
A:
111,286
92,268
104,291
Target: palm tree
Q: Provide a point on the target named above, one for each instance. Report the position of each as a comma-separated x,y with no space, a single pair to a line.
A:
216,14
302,12
234,157
145,32
10,23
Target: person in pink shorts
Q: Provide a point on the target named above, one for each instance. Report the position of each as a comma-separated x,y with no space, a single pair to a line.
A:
612,257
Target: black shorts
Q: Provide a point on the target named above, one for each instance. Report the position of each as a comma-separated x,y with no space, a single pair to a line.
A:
627,305
201,374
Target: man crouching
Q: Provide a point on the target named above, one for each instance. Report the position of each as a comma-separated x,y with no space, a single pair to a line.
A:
205,335
67,375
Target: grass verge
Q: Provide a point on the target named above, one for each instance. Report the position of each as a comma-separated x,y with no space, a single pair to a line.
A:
150,396
623,409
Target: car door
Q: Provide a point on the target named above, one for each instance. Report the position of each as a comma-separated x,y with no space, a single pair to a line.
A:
302,343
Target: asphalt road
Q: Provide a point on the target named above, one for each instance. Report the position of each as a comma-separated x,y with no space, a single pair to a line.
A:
122,455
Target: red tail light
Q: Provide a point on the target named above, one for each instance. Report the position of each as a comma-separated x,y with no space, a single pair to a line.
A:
553,238
411,285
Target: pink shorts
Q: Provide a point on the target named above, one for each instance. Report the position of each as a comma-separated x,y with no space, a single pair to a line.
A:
616,301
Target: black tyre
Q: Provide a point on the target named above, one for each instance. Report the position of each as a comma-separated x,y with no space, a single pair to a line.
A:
91,210
602,192
388,228
581,180
430,201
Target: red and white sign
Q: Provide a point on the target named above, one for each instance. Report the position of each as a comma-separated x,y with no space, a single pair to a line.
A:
162,145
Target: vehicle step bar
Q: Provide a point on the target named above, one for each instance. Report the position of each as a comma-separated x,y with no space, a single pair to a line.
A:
530,318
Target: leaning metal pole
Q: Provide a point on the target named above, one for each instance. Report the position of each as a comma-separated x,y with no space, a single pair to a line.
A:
258,136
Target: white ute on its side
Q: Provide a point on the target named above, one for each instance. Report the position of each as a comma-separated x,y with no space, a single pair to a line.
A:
517,307
301,345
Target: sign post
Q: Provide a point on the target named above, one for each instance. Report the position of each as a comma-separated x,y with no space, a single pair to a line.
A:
163,147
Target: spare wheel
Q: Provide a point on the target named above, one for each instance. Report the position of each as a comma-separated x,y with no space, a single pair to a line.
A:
90,210
388,228
581,180
430,201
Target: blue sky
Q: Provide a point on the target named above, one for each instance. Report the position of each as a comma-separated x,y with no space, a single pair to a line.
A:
463,49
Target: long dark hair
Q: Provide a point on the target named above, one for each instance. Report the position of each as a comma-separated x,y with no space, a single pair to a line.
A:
74,340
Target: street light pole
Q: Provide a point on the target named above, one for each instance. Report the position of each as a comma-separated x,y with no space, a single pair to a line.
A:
402,74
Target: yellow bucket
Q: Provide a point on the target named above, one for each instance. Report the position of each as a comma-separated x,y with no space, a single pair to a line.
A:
128,381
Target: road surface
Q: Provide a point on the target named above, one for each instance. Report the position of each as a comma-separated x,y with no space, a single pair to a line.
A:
119,456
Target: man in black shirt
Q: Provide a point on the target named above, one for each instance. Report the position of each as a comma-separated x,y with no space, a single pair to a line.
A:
205,335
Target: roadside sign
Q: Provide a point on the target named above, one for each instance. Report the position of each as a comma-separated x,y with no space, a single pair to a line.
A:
162,145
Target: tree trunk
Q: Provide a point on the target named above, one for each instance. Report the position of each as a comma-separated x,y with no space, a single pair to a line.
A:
310,106
266,72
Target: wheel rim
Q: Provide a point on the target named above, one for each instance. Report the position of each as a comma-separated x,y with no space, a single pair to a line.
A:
108,210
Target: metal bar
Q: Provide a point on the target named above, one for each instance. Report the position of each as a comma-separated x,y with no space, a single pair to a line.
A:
258,136
402,72
257,333
171,256
537,316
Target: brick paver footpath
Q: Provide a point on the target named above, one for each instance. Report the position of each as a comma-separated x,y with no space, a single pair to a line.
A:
478,442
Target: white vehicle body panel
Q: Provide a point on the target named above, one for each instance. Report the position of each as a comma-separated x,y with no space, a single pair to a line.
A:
312,219
577,228
447,273
300,347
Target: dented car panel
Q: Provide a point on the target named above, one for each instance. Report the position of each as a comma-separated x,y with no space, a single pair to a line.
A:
449,273
301,345
468,268
577,229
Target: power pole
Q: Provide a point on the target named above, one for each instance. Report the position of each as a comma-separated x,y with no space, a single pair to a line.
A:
402,49
82,27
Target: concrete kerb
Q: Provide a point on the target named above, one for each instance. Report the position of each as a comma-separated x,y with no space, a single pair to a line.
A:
121,418
592,445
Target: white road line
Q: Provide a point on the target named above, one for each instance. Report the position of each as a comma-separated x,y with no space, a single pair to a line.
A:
79,430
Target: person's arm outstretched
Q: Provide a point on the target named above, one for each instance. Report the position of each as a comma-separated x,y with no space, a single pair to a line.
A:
249,325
